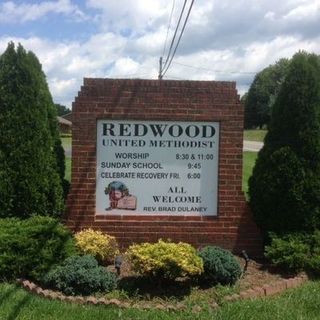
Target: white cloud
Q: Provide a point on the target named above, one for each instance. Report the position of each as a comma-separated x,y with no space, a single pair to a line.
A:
131,16
11,12
124,67
270,15
308,10
224,40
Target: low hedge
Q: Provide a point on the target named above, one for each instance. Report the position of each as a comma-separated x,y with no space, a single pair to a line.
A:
165,260
100,245
80,275
295,252
30,248
220,266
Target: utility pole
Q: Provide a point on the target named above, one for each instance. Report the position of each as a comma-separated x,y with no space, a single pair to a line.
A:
160,69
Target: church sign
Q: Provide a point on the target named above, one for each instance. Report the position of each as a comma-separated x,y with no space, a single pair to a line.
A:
160,159
157,167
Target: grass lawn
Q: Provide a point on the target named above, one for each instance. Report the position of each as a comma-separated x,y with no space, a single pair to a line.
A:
66,142
301,303
68,169
249,159
254,135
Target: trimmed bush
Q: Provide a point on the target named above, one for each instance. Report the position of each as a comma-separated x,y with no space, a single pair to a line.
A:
100,245
284,188
277,192
313,263
165,260
291,252
29,179
220,266
30,248
80,275
296,252
61,166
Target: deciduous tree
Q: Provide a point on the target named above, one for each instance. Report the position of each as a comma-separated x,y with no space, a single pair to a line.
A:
262,94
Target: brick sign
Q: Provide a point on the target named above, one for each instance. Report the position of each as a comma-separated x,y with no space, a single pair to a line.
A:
160,159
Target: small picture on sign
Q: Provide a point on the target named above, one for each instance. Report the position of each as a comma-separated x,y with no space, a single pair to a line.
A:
119,197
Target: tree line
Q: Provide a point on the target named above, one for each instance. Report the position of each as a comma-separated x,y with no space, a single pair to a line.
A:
262,94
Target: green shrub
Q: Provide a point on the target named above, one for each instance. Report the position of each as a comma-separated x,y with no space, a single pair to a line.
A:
277,192
61,166
313,264
80,275
220,266
100,245
284,188
31,247
296,252
291,252
165,260
29,179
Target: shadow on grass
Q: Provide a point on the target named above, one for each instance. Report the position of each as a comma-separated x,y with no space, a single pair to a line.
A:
15,308
6,295
151,288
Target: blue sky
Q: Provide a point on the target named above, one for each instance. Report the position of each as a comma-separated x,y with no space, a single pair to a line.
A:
223,40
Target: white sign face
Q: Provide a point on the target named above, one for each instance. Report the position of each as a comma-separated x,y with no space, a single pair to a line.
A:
157,168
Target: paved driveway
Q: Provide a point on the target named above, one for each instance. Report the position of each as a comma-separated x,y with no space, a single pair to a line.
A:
252,146
67,152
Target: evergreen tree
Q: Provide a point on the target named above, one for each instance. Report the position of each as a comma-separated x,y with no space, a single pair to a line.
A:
29,179
285,186
57,149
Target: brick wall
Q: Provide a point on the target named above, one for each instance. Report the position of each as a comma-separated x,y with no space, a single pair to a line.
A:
166,100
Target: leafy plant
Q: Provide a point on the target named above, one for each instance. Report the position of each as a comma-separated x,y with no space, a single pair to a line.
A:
100,245
31,247
29,178
284,188
313,264
262,94
220,266
291,251
165,260
80,275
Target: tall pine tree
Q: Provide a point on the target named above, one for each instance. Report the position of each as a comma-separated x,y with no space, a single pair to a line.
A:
29,178
285,186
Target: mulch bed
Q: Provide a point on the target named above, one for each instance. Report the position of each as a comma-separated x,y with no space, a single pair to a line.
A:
258,273
260,279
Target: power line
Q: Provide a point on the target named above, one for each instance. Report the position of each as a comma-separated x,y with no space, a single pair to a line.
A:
169,25
215,71
181,33
174,35
170,55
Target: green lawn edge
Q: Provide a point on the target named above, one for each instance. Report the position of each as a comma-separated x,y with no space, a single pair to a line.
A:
300,303
254,135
